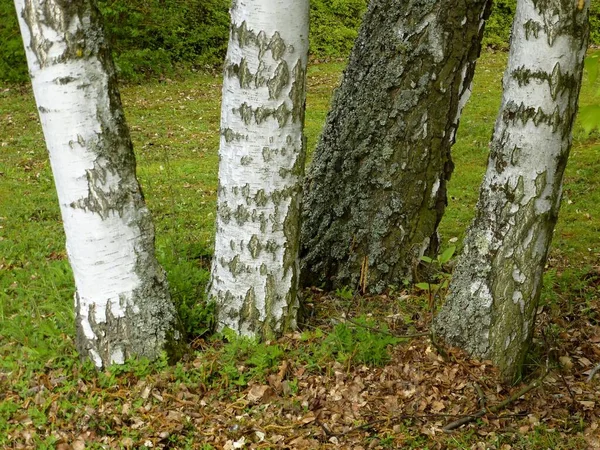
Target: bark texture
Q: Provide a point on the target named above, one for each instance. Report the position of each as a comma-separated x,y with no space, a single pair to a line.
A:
122,304
376,189
490,310
262,152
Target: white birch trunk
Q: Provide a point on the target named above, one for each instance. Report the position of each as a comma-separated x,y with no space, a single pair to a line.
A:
122,303
490,310
255,267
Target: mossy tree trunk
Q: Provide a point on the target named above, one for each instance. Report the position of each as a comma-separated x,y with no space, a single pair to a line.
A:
122,304
376,189
490,310
255,266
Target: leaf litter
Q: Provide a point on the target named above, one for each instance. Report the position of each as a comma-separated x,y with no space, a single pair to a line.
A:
337,403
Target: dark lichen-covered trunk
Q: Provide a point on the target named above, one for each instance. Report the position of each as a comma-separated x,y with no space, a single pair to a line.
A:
490,310
376,190
122,304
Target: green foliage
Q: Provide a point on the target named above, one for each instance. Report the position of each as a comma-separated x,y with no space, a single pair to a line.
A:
151,37
12,55
498,26
589,115
362,341
595,22
345,293
187,282
334,26
160,37
243,359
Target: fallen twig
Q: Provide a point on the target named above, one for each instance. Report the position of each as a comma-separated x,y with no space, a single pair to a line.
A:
593,372
495,408
386,332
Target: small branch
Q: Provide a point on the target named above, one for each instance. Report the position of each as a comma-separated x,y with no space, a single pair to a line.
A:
493,409
562,377
593,372
481,396
377,330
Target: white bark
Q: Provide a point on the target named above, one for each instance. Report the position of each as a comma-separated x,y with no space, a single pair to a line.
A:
490,310
122,303
255,266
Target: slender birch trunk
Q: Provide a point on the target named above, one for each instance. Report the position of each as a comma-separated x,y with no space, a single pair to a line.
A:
122,302
490,311
376,189
255,267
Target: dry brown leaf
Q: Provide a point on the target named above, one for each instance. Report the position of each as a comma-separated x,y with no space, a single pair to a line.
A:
260,393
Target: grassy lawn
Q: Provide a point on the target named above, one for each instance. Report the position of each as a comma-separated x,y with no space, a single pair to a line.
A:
358,383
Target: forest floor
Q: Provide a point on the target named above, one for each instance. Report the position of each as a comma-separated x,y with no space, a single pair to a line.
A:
363,372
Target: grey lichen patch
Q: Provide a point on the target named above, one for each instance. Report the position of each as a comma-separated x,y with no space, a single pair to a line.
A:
262,113
236,267
249,313
246,112
231,135
514,112
254,246
268,154
540,183
558,81
279,80
272,247
242,215
282,114
245,191
260,198
298,92
246,160
65,80
277,46
225,212
272,298
246,37
532,28
242,72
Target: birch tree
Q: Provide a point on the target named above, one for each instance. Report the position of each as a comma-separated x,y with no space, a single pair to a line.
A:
254,277
490,310
122,303
376,189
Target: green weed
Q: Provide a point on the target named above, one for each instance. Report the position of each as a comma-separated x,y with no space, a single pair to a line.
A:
362,341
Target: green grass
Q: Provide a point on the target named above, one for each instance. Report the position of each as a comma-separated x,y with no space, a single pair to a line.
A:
174,126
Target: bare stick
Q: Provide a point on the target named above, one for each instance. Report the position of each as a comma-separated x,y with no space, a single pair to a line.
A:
493,409
593,372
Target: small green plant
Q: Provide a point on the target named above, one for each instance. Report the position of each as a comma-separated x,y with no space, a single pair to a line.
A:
243,359
345,293
362,341
439,279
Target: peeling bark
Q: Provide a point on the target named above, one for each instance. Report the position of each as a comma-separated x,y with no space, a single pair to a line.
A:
255,268
376,189
122,304
490,310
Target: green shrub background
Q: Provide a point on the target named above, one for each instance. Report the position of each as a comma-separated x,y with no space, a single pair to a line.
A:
152,38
